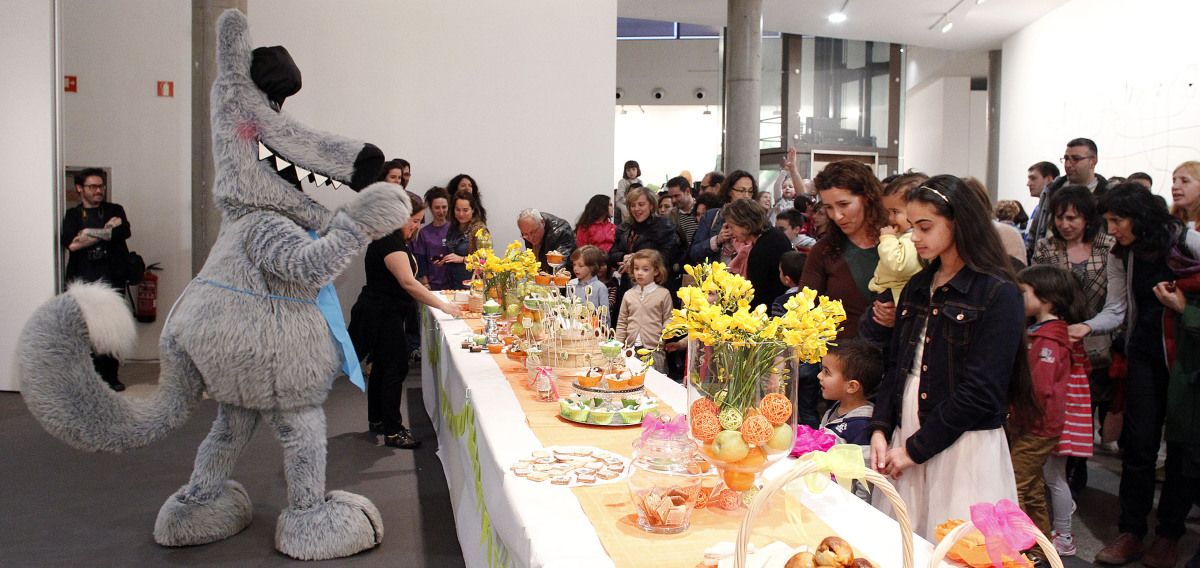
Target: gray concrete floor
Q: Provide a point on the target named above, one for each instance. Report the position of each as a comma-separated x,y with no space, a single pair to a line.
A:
64,507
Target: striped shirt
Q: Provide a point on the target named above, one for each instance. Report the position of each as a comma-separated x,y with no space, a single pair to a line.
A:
1077,434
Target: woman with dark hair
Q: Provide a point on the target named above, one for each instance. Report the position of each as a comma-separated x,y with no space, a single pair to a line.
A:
397,171
760,248
595,226
842,263
1149,244
462,240
464,181
713,242
377,324
429,245
956,362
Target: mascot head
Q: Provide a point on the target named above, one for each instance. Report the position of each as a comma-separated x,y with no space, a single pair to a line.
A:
262,155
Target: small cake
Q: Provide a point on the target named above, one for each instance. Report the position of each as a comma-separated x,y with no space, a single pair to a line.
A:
632,415
491,307
602,416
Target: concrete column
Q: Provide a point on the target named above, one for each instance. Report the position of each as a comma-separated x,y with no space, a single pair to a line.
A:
206,219
743,85
995,61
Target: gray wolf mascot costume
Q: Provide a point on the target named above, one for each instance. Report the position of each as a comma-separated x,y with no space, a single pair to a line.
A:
248,330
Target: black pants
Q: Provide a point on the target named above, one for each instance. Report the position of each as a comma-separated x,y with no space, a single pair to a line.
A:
107,367
377,329
1145,410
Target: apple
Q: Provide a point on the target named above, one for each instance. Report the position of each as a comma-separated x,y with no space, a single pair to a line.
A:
729,446
782,438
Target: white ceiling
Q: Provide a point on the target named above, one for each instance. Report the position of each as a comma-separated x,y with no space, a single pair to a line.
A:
976,26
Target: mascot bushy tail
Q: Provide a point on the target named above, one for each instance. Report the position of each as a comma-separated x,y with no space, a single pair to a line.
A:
254,330
63,391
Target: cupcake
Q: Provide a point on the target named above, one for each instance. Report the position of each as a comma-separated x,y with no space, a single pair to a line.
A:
632,415
578,414
601,416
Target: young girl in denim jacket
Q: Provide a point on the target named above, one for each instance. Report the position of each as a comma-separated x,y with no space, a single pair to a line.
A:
956,362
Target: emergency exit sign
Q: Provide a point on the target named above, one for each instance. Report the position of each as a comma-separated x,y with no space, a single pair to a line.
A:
166,88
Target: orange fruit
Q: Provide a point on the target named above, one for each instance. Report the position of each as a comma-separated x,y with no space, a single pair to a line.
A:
753,461
738,480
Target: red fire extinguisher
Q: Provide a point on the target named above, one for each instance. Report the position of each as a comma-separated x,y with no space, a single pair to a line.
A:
147,296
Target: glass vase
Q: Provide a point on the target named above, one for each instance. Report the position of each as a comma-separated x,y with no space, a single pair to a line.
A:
740,406
665,483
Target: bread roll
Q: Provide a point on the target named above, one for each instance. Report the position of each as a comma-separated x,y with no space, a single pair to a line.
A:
834,551
800,560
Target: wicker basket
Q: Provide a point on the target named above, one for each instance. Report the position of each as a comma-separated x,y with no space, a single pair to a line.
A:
953,536
805,467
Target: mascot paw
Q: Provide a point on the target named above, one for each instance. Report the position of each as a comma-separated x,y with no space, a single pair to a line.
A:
186,523
343,525
380,209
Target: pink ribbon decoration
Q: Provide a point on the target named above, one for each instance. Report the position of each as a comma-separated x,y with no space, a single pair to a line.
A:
1006,530
664,428
810,440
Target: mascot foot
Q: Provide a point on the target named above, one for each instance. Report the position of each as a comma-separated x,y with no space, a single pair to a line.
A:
345,524
186,523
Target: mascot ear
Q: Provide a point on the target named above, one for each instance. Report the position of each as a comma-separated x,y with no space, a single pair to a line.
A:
275,73
367,167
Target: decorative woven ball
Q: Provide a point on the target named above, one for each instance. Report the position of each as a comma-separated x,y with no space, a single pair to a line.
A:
756,430
704,406
776,408
748,496
705,426
727,499
703,497
730,417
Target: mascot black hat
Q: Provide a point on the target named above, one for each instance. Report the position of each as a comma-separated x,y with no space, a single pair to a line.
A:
274,71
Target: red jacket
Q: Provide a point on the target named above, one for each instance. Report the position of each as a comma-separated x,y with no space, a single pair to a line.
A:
1051,357
601,234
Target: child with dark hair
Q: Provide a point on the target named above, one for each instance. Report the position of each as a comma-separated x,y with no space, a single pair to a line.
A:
1059,369
791,266
849,375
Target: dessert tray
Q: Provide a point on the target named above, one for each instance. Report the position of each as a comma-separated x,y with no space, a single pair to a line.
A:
571,466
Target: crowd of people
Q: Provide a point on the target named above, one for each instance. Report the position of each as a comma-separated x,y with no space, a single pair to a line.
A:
984,349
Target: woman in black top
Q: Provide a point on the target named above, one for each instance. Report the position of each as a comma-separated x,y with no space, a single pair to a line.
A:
377,324
747,220
644,229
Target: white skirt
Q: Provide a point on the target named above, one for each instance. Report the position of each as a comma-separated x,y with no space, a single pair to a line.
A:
976,468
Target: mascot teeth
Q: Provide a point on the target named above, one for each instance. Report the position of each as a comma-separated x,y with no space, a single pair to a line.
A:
302,174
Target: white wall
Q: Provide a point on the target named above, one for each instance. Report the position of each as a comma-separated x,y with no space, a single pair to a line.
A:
667,139
1125,74
678,66
945,122
26,158
119,50
518,95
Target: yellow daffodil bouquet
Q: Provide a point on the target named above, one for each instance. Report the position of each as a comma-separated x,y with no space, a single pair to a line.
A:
503,275
736,353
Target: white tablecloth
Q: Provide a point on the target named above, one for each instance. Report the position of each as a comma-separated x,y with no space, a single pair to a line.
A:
542,525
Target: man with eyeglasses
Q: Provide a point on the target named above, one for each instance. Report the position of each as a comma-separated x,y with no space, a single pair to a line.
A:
1079,165
711,182
94,234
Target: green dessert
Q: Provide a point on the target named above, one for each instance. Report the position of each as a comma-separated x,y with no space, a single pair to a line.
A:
578,414
491,307
602,416
631,415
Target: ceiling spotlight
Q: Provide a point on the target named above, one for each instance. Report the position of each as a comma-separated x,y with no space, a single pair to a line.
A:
946,27
840,15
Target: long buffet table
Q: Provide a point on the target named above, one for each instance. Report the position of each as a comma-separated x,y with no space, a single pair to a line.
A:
486,419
